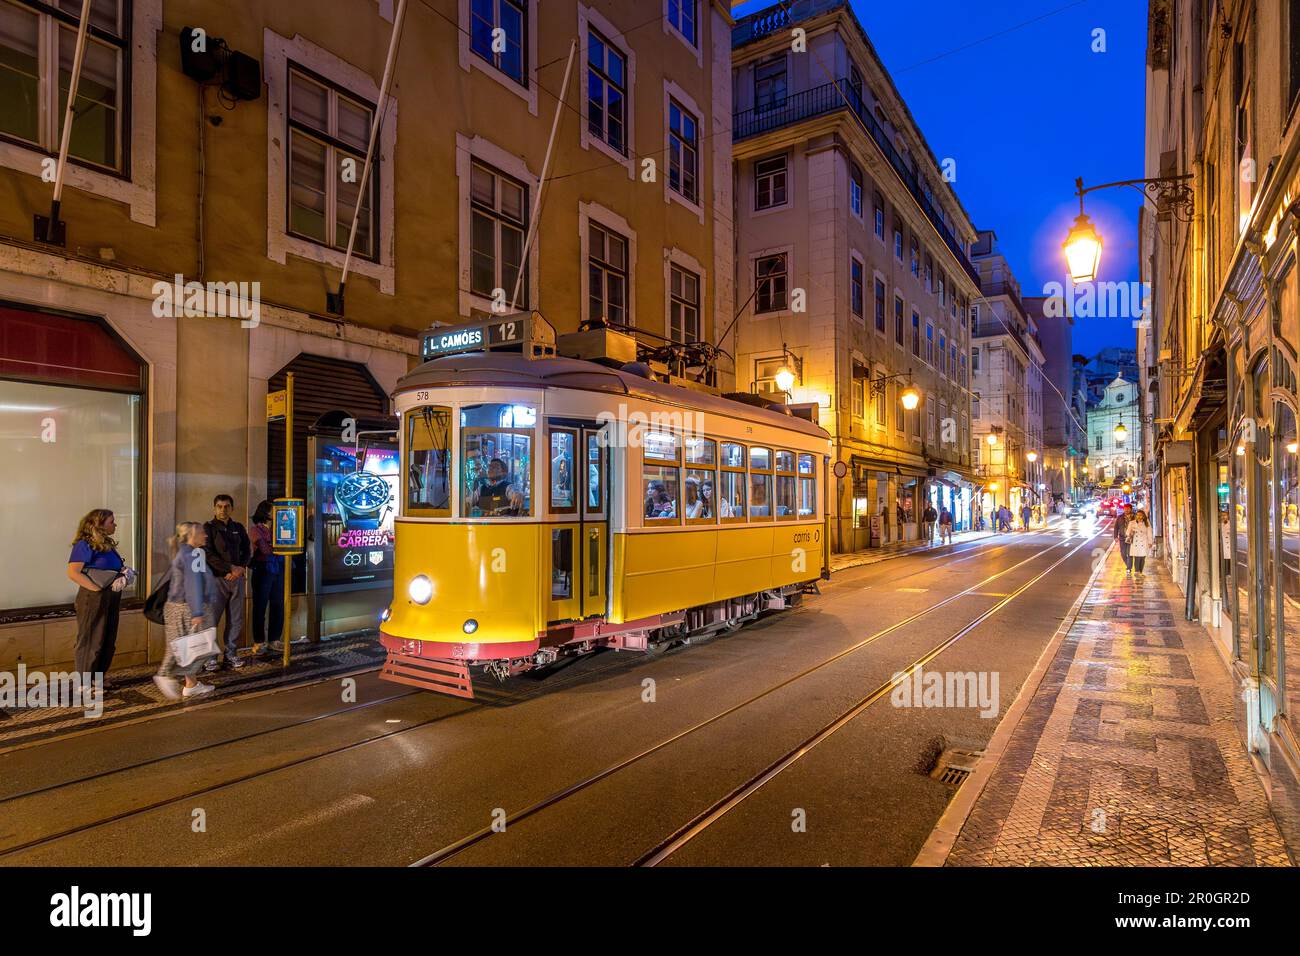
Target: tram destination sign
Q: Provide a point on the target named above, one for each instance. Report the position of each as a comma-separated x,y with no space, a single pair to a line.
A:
476,336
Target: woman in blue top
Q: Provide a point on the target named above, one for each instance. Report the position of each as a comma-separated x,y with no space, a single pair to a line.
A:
191,593
98,570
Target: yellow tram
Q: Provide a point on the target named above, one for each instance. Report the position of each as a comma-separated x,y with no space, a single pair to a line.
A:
551,505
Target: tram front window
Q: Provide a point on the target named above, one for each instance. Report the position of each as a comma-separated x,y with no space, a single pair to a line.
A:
428,472
496,460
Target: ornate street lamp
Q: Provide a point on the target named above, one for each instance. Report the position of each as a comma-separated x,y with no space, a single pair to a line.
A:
1032,456
1121,433
910,396
1083,244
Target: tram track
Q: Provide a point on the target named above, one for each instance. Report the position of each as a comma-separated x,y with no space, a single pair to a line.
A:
977,550
469,708
704,820
459,846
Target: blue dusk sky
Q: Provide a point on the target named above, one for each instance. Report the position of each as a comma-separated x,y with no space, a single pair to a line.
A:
1012,90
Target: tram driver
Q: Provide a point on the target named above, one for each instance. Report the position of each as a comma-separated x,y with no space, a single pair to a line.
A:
496,494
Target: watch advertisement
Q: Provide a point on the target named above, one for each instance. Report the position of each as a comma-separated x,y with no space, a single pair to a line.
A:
356,502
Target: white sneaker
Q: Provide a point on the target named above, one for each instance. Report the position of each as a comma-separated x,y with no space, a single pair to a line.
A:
198,690
170,687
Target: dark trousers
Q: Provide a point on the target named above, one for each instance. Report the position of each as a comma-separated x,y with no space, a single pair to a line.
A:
230,605
1123,553
268,592
96,629
1139,562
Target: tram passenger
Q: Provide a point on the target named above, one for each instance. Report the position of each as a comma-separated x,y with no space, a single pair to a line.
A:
496,494
697,506
658,503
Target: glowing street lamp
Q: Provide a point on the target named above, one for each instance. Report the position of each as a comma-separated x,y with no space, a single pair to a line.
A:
911,397
1032,456
1082,248
1121,433
784,378
992,439
1292,447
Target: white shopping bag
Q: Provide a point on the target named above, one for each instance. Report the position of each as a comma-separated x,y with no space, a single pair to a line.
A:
189,648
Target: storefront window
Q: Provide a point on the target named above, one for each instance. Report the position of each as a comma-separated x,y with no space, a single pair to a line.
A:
72,430
428,458
63,451
1241,558
496,442
1288,556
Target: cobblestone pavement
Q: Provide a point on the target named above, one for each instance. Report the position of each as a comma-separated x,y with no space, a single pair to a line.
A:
1127,754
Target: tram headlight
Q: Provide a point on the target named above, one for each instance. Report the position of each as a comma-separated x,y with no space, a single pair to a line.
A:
385,614
470,626
420,589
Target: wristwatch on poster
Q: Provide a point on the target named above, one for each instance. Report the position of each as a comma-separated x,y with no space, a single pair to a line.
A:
362,498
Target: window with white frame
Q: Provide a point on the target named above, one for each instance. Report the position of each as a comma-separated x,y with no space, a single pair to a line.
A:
855,189
975,359
943,417
329,131
878,218
898,321
607,268
771,277
898,243
943,352
506,50
683,16
606,92
882,415
770,181
498,222
859,398
683,151
880,306
37,46
684,304
929,344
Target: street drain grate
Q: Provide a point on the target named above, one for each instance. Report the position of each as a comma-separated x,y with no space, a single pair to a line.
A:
955,765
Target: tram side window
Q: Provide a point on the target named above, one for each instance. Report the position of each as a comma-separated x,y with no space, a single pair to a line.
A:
807,486
563,448
594,490
701,503
428,460
785,484
660,483
760,483
731,483
496,460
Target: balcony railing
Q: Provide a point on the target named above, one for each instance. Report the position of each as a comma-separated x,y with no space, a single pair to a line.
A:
832,97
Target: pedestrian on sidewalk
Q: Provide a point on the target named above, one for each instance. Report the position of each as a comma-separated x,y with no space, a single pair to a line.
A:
1026,513
1140,540
268,581
928,517
229,552
101,575
945,526
1121,535
191,594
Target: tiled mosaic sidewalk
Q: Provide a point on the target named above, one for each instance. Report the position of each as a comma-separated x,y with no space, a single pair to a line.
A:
1127,754
131,692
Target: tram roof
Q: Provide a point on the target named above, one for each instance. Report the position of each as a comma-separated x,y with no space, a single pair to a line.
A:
513,370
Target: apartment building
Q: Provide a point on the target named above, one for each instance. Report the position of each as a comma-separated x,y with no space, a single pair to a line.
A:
853,269
1064,407
1007,388
241,166
1220,357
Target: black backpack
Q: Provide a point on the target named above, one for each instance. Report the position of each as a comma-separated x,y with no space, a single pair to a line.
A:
153,604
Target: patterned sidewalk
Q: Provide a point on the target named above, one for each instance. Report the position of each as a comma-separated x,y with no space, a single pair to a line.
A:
1127,753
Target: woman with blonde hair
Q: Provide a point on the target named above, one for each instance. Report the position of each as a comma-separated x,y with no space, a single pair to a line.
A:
191,593
1141,541
101,575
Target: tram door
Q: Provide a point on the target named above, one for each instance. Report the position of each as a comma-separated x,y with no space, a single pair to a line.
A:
579,534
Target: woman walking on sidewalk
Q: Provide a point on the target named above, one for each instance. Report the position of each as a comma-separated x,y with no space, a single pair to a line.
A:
191,594
268,583
1140,540
98,569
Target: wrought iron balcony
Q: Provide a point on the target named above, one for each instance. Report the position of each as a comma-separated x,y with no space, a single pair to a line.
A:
830,98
